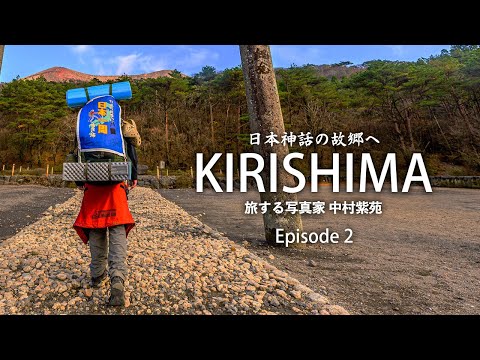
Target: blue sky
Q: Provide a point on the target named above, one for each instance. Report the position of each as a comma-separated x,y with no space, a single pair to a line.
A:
25,60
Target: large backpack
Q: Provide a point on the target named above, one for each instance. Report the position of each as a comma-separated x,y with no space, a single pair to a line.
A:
99,131
100,146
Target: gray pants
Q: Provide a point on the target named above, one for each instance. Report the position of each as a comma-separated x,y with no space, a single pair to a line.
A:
115,249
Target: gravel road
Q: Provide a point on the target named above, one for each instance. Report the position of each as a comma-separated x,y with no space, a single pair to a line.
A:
420,256
22,205
176,266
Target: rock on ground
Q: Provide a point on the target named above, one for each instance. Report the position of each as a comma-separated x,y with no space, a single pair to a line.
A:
177,265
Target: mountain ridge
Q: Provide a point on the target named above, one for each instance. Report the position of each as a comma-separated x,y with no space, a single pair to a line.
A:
63,74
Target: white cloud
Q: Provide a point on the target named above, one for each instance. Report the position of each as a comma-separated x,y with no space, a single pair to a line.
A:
125,64
189,58
150,63
99,66
184,58
397,50
286,55
81,49
129,64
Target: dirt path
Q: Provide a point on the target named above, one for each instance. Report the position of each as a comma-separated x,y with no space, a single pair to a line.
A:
176,266
421,256
23,205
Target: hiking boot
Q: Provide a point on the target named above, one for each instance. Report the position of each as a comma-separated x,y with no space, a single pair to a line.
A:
99,280
117,292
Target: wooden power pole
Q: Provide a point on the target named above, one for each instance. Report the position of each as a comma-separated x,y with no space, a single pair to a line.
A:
266,116
2,47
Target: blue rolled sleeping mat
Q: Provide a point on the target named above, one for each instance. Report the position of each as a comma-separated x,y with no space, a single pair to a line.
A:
79,97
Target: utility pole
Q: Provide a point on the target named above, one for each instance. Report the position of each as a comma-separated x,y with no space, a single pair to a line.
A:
266,116
2,48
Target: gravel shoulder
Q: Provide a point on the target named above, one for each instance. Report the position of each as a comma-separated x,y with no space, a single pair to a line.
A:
177,265
24,204
421,256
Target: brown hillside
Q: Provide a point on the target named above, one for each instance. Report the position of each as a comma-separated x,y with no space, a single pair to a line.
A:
61,74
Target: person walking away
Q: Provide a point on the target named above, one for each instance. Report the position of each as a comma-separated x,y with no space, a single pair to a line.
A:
105,210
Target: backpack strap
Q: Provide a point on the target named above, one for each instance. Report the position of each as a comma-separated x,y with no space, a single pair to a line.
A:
85,171
76,151
110,170
75,144
87,94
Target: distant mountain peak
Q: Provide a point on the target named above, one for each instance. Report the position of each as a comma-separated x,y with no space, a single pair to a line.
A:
63,74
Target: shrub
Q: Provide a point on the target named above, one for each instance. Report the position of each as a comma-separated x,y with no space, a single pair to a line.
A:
183,181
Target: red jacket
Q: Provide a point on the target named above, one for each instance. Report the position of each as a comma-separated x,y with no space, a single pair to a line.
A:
103,206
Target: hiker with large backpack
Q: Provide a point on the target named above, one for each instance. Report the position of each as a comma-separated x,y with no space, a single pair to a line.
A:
105,168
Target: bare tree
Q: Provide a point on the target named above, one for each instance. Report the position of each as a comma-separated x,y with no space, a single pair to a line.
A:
266,116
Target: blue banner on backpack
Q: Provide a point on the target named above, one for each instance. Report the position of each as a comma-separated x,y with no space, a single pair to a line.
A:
98,126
